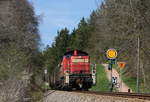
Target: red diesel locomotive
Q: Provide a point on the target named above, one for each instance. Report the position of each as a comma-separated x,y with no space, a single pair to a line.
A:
75,72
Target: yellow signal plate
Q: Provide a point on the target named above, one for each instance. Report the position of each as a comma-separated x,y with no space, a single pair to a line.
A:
111,53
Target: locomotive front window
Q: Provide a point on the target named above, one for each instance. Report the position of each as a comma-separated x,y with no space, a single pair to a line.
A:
80,60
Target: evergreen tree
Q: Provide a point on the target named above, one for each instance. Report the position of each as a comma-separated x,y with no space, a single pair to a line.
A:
72,40
82,35
53,55
62,42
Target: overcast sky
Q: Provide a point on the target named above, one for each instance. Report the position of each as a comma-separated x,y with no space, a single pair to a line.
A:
57,14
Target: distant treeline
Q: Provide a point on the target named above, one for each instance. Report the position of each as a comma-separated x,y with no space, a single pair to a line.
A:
115,24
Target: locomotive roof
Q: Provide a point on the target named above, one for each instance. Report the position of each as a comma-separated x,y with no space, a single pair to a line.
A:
79,53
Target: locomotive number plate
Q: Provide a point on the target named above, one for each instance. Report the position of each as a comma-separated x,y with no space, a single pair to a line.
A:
79,60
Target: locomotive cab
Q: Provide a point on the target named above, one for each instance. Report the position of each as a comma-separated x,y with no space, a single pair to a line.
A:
77,71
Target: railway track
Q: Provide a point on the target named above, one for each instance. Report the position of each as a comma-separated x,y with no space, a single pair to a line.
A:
119,94
49,93
113,94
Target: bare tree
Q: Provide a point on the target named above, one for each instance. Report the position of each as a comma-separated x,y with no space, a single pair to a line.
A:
19,42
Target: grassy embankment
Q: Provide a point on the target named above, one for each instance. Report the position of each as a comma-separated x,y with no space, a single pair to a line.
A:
102,82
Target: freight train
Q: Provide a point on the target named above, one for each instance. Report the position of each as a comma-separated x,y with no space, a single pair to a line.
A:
74,72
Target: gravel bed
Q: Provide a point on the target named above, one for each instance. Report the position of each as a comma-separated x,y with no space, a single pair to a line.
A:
62,96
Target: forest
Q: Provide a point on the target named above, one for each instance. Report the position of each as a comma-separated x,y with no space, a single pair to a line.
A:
120,24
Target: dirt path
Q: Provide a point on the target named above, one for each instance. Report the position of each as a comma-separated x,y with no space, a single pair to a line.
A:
122,86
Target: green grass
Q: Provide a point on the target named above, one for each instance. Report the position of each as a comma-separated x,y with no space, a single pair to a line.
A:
102,83
131,82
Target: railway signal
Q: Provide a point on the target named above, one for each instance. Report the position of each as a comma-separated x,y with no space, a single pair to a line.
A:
45,71
111,55
110,66
121,65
